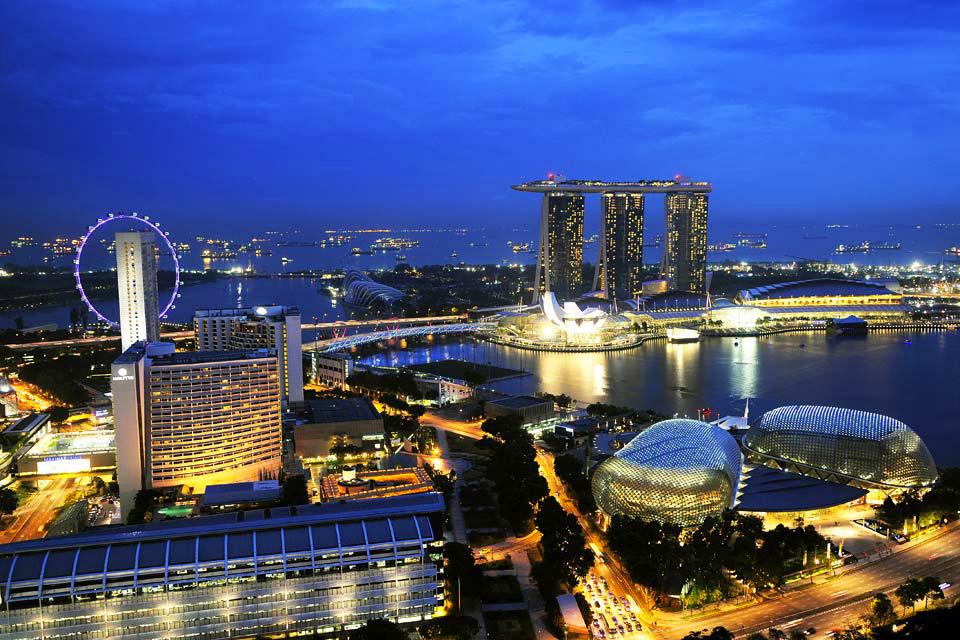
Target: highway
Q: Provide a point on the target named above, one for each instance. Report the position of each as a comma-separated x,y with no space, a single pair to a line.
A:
35,514
833,604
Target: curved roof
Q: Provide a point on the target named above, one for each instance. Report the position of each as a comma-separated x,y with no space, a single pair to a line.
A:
362,291
677,471
816,287
670,301
854,446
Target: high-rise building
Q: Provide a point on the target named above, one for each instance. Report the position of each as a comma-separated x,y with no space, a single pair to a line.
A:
137,284
560,254
274,327
194,418
308,571
619,271
685,250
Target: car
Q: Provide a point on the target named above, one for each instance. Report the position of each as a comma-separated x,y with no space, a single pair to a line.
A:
810,631
620,628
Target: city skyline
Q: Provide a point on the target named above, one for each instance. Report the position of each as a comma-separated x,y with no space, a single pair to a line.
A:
189,113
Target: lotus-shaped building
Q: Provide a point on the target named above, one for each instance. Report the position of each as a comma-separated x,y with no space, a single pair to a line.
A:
570,317
678,471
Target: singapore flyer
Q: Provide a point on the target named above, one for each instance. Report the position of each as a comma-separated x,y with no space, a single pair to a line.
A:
125,222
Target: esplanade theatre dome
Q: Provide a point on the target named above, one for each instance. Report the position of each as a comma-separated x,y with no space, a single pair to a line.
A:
678,471
842,445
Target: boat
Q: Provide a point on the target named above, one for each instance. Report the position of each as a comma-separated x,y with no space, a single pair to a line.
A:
454,255
885,246
521,247
677,335
863,247
401,258
357,251
723,246
849,326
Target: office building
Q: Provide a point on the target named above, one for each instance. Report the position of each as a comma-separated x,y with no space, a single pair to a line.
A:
311,571
619,271
331,368
274,327
530,408
137,285
560,254
685,241
193,419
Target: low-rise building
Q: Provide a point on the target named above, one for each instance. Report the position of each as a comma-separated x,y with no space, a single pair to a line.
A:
338,426
530,408
330,369
353,484
312,570
30,427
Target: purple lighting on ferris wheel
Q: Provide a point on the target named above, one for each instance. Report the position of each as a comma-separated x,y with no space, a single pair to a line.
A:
145,220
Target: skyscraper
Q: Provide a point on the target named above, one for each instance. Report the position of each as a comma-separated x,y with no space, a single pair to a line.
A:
620,265
195,418
137,285
274,327
560,254
685,250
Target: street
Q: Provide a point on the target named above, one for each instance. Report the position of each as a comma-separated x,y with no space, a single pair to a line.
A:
32,518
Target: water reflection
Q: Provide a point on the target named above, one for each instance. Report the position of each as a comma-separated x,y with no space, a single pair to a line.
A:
881,373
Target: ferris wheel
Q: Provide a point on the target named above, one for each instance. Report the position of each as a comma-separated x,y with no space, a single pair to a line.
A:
127,219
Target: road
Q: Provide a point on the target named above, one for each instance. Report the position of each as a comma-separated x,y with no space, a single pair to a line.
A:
32,518
833,604
466,429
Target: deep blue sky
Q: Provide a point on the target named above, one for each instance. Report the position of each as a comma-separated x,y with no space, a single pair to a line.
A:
248,115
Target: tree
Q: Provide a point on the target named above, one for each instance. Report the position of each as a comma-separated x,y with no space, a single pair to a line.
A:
718,633
650,550
8,501
58,413
882,612
378,629
459,627
908,593
570,471
295,490
929,587
565,548
462,571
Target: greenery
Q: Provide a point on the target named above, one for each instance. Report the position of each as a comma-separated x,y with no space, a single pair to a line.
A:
570,471
450,627
501,590
718,633
378,629
939,504
402,384
514,470
461,572
144,503
8,500
655,553
881,611
294,490
916,589
563,400
565,552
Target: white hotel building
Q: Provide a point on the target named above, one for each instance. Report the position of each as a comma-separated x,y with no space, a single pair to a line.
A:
137,286
195,418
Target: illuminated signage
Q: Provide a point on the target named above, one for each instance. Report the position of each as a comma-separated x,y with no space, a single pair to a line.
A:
63,464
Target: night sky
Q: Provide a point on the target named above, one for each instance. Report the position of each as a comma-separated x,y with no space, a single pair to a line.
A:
248,116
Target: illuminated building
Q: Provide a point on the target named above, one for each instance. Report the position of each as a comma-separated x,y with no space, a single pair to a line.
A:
355,484
283,572
271,327
363,292
193,419
69,453
137,286
560,254
685,251
866,450
9,406
820,292
330,368
678,471
344,424
619,271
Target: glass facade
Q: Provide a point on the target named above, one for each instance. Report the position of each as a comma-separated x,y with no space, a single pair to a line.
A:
678,471
844,445
560,256
620,267
685,254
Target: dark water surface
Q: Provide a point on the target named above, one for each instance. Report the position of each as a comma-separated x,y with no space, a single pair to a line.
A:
912,376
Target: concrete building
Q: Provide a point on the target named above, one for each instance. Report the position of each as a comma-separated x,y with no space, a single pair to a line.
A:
274,327
530,408
312,570
344,422
9,406
330,368
193,419
29,427
137,285
685,238
619,272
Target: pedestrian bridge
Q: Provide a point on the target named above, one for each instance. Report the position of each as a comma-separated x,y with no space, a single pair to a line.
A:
346,343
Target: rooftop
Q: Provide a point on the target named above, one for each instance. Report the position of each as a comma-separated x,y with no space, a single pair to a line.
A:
601,186
27,424
774,490
519,402
816,287
342,410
